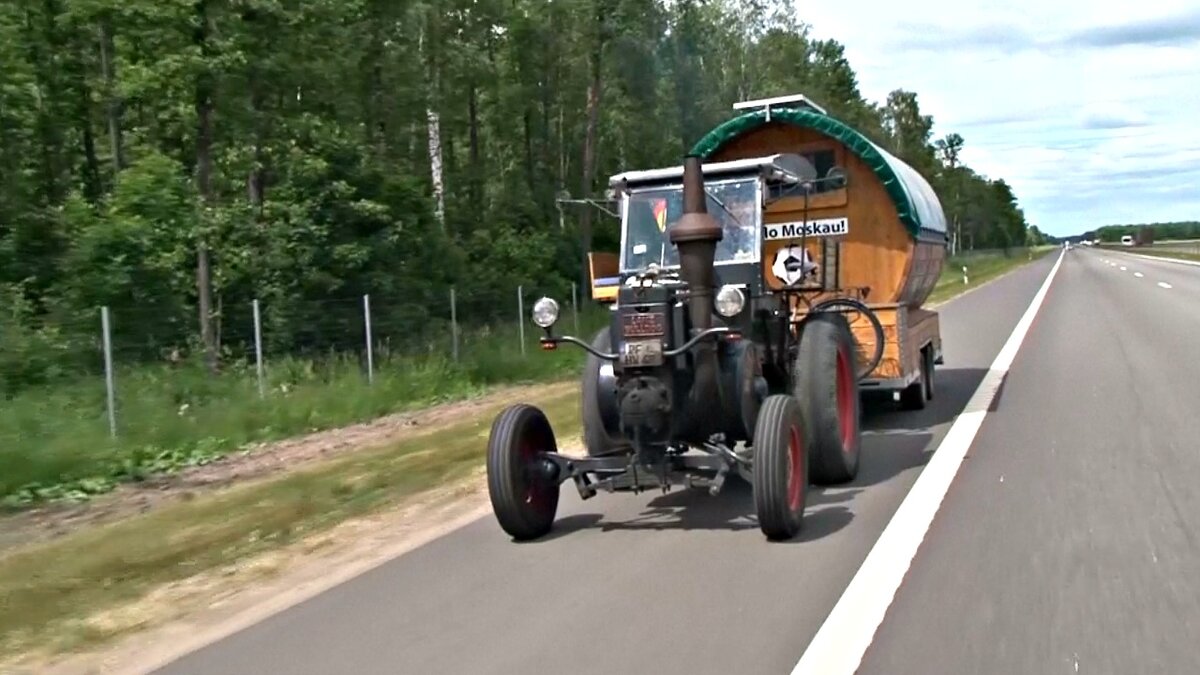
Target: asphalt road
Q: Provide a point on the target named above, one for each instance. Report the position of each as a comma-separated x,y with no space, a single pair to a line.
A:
1068,542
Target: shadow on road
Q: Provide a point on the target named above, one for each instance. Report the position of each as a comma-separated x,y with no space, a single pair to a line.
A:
894,442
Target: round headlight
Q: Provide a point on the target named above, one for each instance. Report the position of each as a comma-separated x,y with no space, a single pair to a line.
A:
545,312
730,301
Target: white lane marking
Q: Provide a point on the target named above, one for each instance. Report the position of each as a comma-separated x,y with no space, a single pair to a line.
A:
1123,268
848,631
1138,275
1164,284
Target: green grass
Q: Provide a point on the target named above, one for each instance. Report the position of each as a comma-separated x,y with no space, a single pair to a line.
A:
48,591
1180,255
55,442
981,268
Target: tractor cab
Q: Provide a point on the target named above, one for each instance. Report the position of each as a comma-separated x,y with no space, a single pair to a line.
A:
652,201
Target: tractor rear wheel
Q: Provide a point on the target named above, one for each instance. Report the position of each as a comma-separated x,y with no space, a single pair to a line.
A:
826,387
597,389
780,468
524,500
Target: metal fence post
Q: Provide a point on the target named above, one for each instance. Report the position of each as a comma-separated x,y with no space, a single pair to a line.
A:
521,316
454,324
965,282
109,383
370,352
575,305
258,355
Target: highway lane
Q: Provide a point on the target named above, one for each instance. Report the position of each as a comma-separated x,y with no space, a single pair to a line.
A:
648,583
1183,275
1070,541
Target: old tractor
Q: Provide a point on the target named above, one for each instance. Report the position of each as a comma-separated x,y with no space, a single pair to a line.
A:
730,351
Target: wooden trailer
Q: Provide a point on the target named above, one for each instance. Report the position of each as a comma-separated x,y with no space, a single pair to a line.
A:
873,227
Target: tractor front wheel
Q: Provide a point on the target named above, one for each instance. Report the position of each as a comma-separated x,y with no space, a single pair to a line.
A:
780,468
524,499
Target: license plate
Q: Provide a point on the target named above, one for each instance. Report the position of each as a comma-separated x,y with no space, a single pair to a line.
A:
645,324
641,353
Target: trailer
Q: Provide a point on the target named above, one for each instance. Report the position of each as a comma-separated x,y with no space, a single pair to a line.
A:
876,233
761,287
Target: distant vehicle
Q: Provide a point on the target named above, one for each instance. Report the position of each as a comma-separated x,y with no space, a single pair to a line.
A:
1127,240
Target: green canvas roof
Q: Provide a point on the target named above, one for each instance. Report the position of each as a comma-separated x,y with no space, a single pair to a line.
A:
917,204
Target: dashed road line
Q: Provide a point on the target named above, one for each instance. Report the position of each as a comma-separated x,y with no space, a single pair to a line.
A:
1138,275
1163,284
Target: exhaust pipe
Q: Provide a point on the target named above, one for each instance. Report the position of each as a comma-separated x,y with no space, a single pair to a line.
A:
696,234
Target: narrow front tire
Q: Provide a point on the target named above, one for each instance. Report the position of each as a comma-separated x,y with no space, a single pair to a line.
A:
524,501
780,468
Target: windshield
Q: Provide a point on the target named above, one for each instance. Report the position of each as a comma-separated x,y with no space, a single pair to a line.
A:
649,213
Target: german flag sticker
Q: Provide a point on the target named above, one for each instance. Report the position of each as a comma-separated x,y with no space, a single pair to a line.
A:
660,214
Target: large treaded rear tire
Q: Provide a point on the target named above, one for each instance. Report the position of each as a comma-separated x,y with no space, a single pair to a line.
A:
780,468
524,502
597,441
826,388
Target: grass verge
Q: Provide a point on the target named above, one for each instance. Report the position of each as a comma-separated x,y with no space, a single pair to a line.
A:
50,593
1179,255
981,268
55,442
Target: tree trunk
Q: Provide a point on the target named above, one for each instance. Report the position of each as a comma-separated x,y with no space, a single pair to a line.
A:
589,147
476,171
108,69
433,126
204,140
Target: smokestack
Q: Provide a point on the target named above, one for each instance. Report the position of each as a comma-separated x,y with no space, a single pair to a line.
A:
696,234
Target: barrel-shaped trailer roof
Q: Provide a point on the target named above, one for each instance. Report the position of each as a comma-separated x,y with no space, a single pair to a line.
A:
916,203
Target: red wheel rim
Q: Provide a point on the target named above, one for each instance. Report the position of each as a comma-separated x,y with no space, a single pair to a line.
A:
537,494
845,399
795,469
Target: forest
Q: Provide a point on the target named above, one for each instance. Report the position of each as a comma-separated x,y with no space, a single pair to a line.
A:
174,160
1162,231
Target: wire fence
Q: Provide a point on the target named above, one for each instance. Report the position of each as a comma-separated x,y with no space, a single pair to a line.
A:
296,340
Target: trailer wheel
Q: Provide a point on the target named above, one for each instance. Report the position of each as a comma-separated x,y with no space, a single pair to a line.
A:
597,440
780,467
524,500
929,372
827,390
915,395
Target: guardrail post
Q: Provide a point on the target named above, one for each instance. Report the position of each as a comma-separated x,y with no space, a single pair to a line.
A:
453,325
521,316
370,351
109,380
258,354
965,282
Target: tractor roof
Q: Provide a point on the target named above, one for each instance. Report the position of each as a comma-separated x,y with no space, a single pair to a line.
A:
783,167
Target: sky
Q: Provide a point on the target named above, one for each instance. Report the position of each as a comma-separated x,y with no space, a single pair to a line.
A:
1090,110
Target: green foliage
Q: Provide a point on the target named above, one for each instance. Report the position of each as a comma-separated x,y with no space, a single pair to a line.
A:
292,144
1162,231
55,444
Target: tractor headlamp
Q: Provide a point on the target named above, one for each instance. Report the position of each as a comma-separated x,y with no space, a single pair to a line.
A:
545,312
730,301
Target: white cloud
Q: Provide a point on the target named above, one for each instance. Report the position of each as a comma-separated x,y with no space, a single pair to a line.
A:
1089,119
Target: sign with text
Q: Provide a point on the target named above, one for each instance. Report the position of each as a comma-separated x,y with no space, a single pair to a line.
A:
825,227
